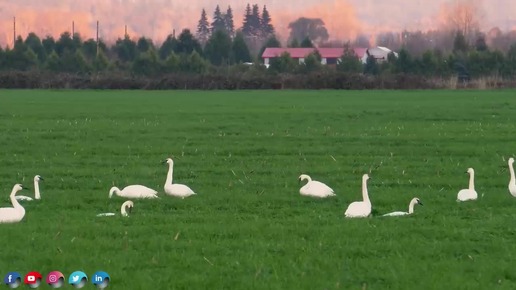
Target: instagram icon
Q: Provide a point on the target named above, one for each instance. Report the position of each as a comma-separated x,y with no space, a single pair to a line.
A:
55,279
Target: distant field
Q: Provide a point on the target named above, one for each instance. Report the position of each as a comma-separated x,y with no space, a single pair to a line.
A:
242,151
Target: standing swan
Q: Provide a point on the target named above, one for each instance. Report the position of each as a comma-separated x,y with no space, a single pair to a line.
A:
359,209
178,190
512,181
125,209
314,188
37,194
413,202
134,191
17,212
470,193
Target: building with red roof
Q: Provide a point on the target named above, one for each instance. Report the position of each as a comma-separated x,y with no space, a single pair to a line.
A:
329,55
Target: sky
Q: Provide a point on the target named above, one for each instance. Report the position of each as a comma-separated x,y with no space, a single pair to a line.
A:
157,18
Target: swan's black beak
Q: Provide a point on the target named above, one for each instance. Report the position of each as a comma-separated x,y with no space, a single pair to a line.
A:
299,181
41,178
420,203
163,162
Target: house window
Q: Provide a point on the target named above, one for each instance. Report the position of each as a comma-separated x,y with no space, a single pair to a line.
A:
331,60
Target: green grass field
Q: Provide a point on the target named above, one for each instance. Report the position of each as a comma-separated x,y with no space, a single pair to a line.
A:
242,151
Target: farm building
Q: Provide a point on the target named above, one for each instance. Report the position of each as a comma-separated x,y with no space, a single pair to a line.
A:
380,53
328,55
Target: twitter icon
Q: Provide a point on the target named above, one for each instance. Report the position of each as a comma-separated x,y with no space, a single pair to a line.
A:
78,279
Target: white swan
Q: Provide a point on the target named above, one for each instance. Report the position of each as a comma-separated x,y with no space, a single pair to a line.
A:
512,181
37,194
360,209
412,203
470,193
134,191
17,212
314,188
125,209
177,190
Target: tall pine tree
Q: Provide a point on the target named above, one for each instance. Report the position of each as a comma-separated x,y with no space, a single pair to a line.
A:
266,27
228,20
247,25
218,21
256,21
203,30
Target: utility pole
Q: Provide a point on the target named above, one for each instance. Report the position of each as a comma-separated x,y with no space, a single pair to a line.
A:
125,33
97,37
73,28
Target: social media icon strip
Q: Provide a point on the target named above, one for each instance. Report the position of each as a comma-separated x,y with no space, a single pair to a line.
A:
13,280
55,279
100,279
33,279
78,279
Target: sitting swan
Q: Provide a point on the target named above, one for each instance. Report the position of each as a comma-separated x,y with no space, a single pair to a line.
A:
314,188
177,190
413,202
470,193
359,209
17,212
125,209
37,194
134,191
512,181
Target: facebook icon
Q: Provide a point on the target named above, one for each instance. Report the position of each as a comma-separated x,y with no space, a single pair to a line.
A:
100,279
13,280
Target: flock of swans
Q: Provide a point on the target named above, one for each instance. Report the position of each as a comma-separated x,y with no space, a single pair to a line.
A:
357,209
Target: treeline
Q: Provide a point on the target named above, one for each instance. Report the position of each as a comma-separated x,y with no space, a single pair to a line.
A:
224,61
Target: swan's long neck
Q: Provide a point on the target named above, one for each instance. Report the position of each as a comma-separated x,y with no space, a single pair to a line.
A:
308,178
114,190
169,174
365,194
14,201
123,211
36,190
472,181
411,206
513,177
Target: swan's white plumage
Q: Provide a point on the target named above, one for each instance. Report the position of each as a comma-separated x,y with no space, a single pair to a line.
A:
512,181
125,210
134,191
359,209
469,193
177,190
37,194
17,212
412,203
314,188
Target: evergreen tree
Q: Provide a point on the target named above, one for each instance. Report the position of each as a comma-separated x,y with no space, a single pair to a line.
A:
247,27
349,61
256,21
203,29
266,27
218,48
371,66
219,22
144,44
101,62
169,46
33,42
240,50
228,20
459,43
172,63
306,43
49,44
187,43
